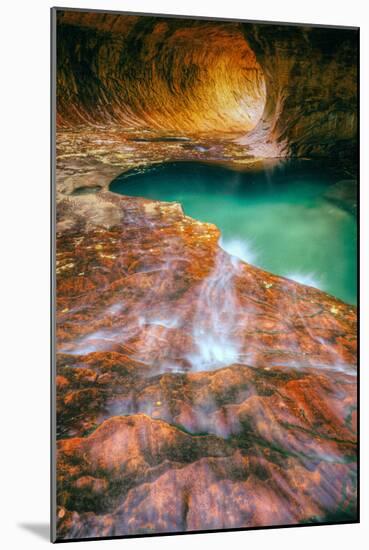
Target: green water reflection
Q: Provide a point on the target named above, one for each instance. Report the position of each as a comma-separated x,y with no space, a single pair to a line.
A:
278,218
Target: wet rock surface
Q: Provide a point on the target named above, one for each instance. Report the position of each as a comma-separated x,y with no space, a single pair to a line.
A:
158,432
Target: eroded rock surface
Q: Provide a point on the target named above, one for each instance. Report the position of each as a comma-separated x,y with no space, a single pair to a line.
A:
194,391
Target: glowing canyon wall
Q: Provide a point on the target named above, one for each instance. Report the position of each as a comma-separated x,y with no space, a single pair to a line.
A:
278,90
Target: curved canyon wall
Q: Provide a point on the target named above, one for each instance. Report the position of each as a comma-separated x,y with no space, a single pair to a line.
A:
161,74
311,79
277,93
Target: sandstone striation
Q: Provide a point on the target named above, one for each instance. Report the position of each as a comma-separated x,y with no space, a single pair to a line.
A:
277,90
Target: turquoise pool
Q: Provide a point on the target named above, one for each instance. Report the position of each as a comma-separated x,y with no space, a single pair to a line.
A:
276,217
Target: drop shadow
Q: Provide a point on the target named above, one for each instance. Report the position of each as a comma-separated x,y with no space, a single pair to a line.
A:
42,530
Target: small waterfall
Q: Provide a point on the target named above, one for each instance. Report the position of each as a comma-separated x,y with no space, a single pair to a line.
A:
215,320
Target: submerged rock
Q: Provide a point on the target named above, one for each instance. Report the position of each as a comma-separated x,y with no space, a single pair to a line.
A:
345,194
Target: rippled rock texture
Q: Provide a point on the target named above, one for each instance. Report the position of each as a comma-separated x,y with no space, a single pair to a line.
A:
194,391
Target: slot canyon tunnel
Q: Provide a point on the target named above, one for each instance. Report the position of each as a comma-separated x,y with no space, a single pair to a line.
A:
281,93
264,434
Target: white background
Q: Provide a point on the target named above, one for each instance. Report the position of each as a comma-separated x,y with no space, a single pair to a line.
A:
24,270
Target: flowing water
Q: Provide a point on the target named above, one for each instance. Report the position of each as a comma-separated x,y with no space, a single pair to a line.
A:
276,217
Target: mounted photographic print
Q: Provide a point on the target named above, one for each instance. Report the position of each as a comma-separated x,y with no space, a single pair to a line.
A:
204,360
